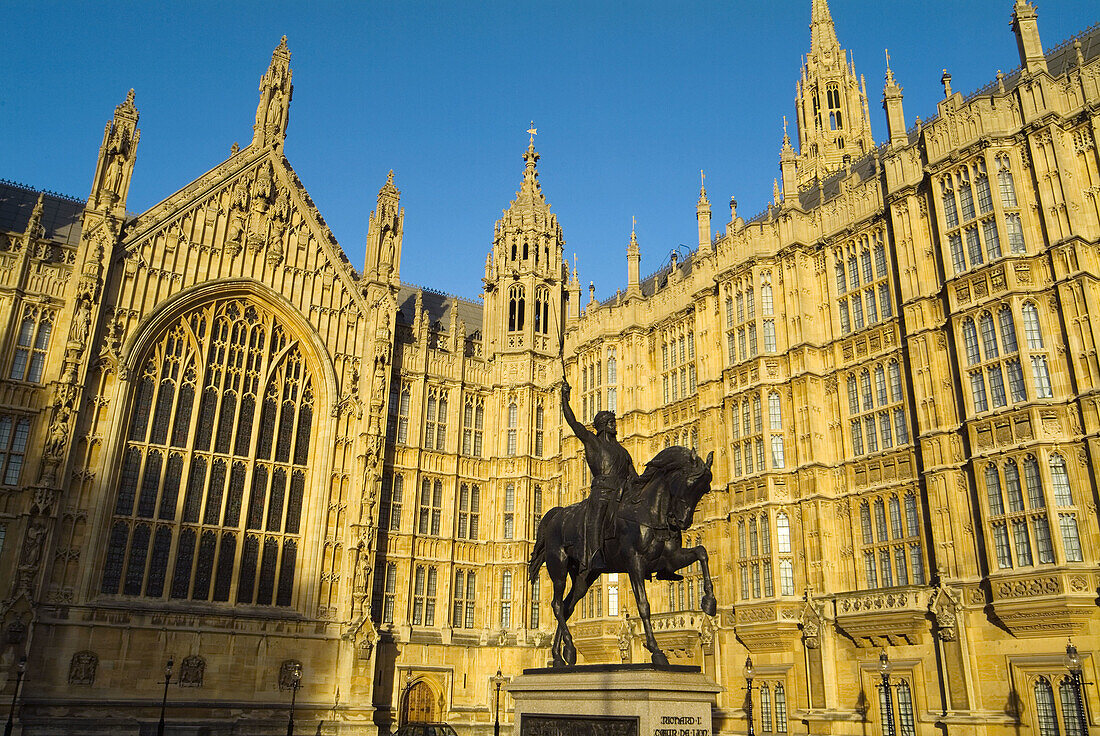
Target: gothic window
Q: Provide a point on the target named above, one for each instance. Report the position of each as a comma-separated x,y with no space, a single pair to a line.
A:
465,590
390,593
82,668
192,670
424,592
31,342
1039,371
506,599
513,428
1067,516
832,95
613,380
971,227
469,510
906,725
13,447
403,414
542,310
435,423
539,420
430,512
515,308
510,511
775,422
1067,694
1044,708
396,496
780,709
765,708
473,425
536,509
864,293
891,550
1021,530
253,420
876,410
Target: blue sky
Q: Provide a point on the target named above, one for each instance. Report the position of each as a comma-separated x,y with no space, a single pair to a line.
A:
631,100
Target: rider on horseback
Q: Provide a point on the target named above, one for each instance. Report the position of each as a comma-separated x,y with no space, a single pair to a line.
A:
612,473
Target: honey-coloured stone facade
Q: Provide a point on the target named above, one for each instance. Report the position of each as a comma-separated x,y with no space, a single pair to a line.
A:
224,444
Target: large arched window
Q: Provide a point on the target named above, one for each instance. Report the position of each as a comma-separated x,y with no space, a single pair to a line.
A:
210,492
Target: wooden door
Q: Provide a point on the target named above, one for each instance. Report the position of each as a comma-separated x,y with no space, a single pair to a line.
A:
420,704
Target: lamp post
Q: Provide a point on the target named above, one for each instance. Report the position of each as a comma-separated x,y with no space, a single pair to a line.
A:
1073,664
164,698
888,716
498,680
19,672
403,703
749,672
295,683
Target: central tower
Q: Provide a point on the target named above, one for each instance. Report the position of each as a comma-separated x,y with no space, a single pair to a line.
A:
525,288
831,102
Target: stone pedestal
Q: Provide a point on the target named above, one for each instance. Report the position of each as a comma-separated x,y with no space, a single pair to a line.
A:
614,700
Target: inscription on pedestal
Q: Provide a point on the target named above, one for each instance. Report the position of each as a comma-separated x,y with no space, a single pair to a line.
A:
545,725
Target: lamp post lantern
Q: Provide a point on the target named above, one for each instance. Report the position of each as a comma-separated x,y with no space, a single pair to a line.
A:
749,672
295,683
164,698
498,680
888,716
1073,664
19,672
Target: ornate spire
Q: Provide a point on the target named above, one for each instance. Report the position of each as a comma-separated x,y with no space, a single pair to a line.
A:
833,121
34,230
822,30
892,104
384,234
702,214
273,112
116,157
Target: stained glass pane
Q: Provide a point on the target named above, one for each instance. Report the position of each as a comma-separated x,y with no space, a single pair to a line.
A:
185,554
225,566
192,502
214,494
127,485
116,553
162,415
294,502
267,571
256,497
172,475
135,566
183,415
236,493
247,580
158,562
275,502
148,500
205,566
286,573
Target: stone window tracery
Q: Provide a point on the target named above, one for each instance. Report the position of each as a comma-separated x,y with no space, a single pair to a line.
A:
31,343
970,221
513,428
465,593
429,514
863,288
435,421
219,507
425,582
469,510
389,596
14,432
473,426
994,357
892,550
876,408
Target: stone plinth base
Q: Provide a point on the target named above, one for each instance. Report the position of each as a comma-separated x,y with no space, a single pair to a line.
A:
614,700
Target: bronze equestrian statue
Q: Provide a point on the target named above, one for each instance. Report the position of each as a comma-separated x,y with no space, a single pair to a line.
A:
629,524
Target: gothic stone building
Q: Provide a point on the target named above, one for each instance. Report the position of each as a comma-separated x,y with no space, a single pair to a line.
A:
222,443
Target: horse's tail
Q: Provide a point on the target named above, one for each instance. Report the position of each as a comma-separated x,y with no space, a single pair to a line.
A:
538,554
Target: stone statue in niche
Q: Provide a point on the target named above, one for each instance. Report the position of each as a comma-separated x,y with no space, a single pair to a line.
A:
82,322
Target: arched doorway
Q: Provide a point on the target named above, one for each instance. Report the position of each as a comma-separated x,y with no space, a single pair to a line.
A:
419,705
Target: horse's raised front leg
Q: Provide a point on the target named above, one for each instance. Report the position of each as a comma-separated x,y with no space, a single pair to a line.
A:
678,559
577,590
637,582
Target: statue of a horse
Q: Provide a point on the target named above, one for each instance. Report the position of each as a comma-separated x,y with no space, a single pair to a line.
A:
646,540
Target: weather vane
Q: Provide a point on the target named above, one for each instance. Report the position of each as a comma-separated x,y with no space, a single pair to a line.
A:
533,131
